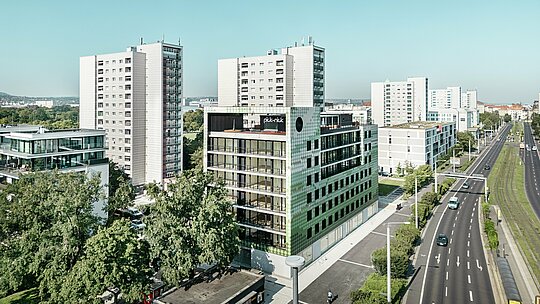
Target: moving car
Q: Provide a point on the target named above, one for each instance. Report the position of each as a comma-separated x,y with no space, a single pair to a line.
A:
534,148
465,185
453,203
442,240
137,224
487,167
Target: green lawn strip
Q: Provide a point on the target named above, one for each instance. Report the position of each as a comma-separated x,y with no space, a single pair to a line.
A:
386,186
508,189
28,296
466,164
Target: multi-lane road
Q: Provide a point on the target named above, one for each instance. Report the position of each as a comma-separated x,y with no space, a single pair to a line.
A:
532,169
457,273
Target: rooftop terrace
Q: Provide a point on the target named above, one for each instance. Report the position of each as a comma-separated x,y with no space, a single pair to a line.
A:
418,125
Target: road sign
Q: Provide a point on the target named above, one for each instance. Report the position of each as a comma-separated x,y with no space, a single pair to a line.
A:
455,161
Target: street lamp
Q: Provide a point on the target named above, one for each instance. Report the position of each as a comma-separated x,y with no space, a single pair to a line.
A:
388,285
295,262
416,200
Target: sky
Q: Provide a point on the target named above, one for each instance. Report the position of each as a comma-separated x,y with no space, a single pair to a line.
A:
492,46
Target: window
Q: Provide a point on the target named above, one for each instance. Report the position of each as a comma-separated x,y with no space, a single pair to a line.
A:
128,78
128,60
309,145
308,180
128,69
316,228
308,198
308,162
316,211
309,233
316,144
308,215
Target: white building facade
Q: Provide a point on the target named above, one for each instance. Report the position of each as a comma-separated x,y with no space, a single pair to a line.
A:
449,98
136,96
399,102
360,114
465,119
469,99
414,144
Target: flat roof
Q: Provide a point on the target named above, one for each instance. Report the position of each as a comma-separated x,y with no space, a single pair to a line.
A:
214,292
419,125
55,134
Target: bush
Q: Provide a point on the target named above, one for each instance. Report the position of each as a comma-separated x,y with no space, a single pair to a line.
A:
374,288
424,212
430,198
399,262
485,209
408,233
493,237
445,185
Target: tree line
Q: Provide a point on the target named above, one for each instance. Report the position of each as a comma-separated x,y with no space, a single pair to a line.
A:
60,117
51,240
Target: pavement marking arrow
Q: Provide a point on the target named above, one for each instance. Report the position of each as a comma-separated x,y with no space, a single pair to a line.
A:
478,265
457,261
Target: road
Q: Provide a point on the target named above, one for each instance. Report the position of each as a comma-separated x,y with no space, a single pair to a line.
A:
532,165
457,273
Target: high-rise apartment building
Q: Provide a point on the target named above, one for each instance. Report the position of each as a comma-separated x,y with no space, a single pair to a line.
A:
136,97
300,181
293,76
449,98
399,102
469,100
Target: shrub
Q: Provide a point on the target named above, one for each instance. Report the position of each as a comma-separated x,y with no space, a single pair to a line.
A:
399,262
493,237
424,212
430,198
408,233
374,288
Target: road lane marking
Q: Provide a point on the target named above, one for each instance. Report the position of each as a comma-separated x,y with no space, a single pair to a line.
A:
458,212
478,265
469,236
467,252
446,291
470,295
468,265
471,220
354,263
449,250
468,243
469,278
457,262
472,214
447,275
452,232
454,225
474,208
438,258
447,262
470,227
456,218
450,240
379,233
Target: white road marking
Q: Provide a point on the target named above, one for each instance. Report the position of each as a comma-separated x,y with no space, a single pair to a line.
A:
474,208
478,265
469,236
458,211
437,257
468,265
468,244
354,263
469,278
472,214
454,225
447,262
457,263
447,275
379,233
471,220
452,232
470,227
467,252
449,250
470,295
456,218
446,291
450,240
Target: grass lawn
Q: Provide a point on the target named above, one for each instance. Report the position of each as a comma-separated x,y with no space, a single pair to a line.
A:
386,186
29,296
507,187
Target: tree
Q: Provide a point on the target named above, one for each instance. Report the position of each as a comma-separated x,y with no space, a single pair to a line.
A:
192,152
191,223
424,175
193,121
399,262
399,170
46,219
114,257
464,138
489,119
121,191
507,118
430,198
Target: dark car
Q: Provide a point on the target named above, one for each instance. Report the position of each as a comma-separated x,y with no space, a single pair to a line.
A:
442,240
487,167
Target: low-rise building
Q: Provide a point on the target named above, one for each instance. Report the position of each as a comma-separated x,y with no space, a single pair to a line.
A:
25,149
360,114
465,119
414,144
300,180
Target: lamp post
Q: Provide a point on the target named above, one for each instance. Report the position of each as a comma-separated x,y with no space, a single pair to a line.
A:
416,200
469,149
388,273
295,262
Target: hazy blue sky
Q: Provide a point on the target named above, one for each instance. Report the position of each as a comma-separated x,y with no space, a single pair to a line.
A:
493,46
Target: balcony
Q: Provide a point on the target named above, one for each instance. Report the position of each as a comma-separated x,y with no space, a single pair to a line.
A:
260,186
261,169
248,152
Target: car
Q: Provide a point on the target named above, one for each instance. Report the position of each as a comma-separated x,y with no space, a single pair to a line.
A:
442,240
487,167
528,148
134,212
534,148
465,185
137,224
453,203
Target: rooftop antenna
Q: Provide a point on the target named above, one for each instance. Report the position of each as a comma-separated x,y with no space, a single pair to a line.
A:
142,41
162,38
303,40
179,41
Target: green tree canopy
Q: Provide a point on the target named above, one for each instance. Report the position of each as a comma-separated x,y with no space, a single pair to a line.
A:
464,138
424,175
507,118
191,223
399,262
489,119
193,121
114,257
121,191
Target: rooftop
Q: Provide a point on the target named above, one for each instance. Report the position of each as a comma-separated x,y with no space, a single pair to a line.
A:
216,291
418,125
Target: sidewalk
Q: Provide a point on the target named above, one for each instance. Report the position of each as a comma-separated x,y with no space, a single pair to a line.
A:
509,248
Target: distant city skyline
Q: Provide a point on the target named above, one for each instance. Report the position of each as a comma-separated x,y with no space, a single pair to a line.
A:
488,46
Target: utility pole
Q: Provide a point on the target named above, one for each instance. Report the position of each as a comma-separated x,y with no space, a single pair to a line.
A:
469,149
416,200
454,160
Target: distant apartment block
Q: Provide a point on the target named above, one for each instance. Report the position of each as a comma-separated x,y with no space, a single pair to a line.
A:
449,98
136,97
469,99
360,114
399,102
25,149
300,180
416,143
293,76
465,119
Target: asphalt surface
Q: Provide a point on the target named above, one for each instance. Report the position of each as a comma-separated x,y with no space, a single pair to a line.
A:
457,273
532,165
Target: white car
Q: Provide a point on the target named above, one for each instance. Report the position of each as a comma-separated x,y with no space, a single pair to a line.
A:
137,224
534,148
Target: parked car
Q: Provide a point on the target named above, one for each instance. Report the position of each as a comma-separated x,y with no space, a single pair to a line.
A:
442,240
137,224
453,203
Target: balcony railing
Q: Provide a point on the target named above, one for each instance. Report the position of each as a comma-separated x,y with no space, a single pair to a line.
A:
260,169
236,150
256,186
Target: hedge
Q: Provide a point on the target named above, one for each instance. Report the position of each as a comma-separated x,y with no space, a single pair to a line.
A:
374,289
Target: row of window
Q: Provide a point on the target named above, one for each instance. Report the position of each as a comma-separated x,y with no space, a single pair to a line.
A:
126,114
261,80
343,212
100,62
252,64
344,182
261,89
127,78
245,97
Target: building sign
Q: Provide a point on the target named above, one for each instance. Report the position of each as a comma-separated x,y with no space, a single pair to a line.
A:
273,122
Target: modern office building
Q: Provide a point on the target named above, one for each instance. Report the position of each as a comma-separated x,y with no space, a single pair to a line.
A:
294,76
300,180
416,144
465,119
449,98
136,97
399,102
26,149
360,114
